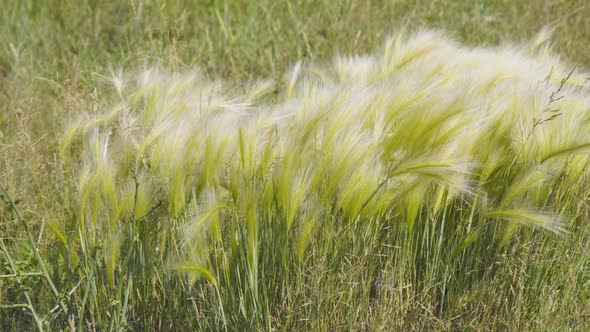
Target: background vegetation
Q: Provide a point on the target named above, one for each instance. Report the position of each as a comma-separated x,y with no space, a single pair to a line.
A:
55,60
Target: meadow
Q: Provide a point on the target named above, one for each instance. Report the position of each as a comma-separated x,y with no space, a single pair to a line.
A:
294,165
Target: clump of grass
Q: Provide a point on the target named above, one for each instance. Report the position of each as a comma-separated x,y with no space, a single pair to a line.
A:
419,161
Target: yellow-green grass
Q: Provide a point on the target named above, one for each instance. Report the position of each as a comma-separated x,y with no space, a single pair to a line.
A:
293,232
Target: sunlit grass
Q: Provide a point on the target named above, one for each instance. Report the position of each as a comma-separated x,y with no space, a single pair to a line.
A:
320,171
247,192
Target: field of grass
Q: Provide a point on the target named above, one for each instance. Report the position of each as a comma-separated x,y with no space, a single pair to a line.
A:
105,225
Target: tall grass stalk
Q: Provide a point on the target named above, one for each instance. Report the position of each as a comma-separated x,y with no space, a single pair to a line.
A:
5,195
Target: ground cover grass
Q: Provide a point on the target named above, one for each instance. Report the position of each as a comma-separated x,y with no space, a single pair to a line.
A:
438,259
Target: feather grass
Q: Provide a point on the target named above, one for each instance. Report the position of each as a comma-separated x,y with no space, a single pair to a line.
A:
419,145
